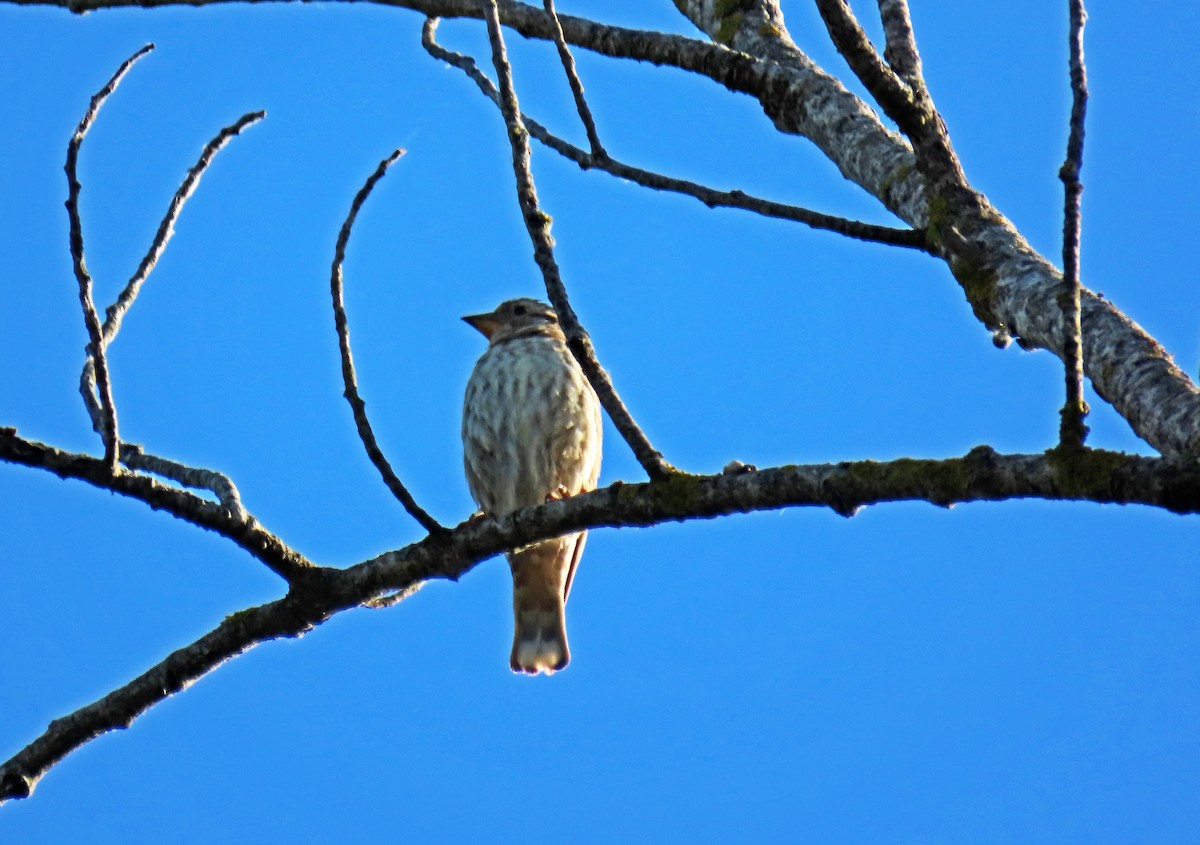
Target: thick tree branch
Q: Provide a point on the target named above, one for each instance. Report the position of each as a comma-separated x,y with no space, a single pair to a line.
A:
537,223
357,406
904,98
242,530
711,197
1072,430
318,593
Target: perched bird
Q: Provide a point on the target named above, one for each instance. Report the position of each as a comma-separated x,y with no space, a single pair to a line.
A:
531,433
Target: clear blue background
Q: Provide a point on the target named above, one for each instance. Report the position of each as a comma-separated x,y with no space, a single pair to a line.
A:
1023,672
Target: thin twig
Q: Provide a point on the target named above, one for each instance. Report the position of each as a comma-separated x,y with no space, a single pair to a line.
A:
135,457
132,455
198,478
1072,430
109,431
568,63
711,197
115,312
357,406
537,223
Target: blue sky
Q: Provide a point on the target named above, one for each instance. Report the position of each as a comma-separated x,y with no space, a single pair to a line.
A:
993,673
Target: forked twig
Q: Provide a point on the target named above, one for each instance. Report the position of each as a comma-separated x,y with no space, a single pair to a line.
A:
108,430
357,406
898,87
537,222
1072,430
131,455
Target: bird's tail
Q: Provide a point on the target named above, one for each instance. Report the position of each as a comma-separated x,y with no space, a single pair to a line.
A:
539,585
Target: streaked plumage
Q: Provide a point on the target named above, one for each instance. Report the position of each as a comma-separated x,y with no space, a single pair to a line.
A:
531,432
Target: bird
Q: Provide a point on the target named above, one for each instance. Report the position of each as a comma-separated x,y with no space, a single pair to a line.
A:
531,433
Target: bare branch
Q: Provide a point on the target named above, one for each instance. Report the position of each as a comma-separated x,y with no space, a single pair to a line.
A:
901,50
116,312
319,593
904,97
133,456
537,223
237,634
108,429
394,598
240,528
568,63
129,454
908,238
892,93
198,478
1072,430
357,405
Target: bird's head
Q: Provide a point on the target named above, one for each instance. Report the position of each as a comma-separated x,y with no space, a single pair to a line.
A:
516,318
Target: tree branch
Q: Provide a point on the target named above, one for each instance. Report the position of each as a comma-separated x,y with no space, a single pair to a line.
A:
891,92
537,223
132,455
357,406
115,313
243,530
901,50
1072,430
890,236
319,593
568,63
108,428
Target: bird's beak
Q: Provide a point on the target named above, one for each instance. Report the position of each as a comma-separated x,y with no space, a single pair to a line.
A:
486,324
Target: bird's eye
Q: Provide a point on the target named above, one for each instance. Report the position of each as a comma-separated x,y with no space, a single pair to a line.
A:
520,311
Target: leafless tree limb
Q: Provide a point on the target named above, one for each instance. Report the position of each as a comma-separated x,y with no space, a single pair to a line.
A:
901,50
568,63
891,92
903,96
1011,287
537,222
1073,431
890,236
166,228
108,428
317,593
357,406
135,457
131,455
394,598
244,531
